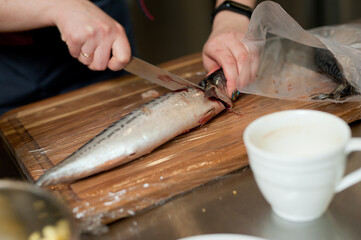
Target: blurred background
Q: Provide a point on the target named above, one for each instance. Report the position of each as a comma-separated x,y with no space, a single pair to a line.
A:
181,27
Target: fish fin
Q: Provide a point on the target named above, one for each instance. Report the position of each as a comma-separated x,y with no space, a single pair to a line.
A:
206,117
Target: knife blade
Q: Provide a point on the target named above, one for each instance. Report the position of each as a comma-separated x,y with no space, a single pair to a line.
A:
157,75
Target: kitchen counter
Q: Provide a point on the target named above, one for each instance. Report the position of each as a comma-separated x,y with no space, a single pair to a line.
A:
232,204
206,187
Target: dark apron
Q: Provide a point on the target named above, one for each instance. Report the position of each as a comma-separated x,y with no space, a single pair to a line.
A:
37,64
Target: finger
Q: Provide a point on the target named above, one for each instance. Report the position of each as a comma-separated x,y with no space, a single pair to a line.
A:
230,69
240,54
209,64
244,77
77,40
121,54
250,69
226,60
74,48
101,57
87,52
254,69
85,58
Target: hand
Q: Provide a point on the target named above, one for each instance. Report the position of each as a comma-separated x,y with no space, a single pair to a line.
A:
92,36
225,48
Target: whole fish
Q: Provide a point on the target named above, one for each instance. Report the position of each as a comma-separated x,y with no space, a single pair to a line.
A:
143,130
328,65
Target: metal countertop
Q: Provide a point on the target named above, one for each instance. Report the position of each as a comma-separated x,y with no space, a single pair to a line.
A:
233,204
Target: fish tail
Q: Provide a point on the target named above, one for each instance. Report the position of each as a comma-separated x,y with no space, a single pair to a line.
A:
55,175
44,180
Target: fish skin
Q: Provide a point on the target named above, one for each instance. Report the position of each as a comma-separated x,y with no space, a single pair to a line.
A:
328,65
136,134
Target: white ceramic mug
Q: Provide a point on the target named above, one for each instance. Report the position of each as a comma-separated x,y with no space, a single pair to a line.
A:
298,159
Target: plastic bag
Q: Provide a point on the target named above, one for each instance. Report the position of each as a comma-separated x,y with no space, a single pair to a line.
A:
284,54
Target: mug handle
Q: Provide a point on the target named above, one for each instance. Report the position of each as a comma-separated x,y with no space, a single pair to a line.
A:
354,177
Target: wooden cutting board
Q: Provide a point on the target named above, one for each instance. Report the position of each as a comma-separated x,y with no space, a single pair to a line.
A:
40,135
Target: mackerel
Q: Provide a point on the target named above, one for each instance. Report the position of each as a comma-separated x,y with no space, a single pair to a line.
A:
140,132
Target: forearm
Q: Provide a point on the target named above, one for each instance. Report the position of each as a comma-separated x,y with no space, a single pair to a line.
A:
249,3
231,20
20,15
224,47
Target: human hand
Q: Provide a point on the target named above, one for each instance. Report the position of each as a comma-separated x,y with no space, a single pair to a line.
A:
226,48
92,36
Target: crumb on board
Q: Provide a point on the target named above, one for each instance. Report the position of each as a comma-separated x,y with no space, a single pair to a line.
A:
150,94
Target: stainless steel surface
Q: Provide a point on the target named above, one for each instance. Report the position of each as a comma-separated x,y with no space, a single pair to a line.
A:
157,75
233,204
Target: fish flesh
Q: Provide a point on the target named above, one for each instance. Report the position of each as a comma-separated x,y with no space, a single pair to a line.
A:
328,65
141,131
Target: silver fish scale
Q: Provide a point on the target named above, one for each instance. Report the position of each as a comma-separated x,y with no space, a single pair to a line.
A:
136,134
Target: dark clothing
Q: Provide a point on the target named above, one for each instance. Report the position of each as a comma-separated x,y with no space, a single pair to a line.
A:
37,64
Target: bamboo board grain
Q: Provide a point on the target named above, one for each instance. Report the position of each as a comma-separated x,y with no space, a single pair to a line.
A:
40,135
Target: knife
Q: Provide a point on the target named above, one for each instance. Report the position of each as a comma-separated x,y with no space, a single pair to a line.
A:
157,75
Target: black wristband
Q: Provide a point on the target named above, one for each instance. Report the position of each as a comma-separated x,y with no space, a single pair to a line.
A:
234,7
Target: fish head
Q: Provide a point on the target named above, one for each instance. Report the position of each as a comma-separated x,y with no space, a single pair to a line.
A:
215,86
